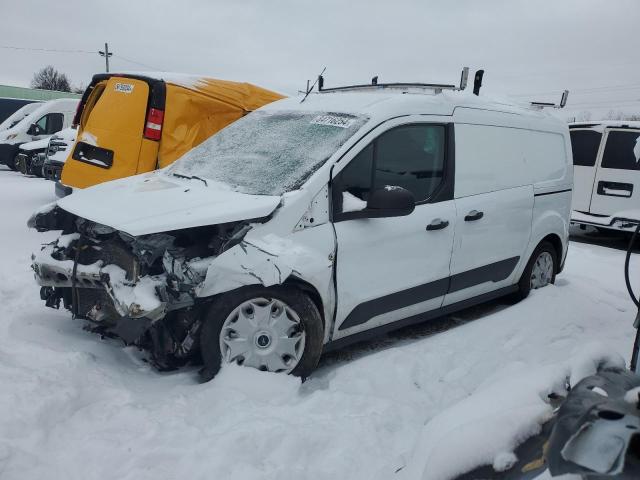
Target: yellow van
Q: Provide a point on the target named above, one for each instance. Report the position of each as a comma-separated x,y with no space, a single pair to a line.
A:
129,123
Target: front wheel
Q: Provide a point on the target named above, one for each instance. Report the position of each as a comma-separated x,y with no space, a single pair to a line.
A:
277,329
540,271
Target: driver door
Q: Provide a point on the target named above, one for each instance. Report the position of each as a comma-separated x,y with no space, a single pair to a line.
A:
388,269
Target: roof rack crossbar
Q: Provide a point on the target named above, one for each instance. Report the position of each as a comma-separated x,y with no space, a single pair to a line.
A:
374,85
563,102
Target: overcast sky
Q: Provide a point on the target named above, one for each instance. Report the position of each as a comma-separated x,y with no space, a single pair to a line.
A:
531,49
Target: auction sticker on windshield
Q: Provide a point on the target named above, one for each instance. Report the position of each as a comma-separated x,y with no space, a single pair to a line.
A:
333,120
124,87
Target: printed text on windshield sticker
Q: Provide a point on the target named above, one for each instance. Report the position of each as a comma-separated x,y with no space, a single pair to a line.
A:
333,121
124,87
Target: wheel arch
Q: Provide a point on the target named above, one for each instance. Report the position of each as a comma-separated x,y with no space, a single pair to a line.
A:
310,290
555,240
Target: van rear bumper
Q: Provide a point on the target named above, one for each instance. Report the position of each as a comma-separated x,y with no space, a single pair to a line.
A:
62,190
623,222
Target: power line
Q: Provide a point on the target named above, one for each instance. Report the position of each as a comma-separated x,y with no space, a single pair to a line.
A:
136,63
11,47
602,104
581,91
59,50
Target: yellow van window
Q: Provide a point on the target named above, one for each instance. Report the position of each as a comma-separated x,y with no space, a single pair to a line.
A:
91,102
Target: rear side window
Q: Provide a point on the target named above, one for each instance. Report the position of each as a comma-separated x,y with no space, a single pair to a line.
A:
622,150
585,144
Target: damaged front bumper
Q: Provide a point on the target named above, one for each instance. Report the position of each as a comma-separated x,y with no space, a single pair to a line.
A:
140,289
101,293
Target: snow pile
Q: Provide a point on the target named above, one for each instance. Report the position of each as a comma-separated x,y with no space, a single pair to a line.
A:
499,416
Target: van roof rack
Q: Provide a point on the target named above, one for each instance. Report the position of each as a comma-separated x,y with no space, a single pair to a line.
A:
563,102
374,85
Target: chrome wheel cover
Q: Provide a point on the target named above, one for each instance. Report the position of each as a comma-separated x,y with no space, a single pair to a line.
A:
263,333
542,271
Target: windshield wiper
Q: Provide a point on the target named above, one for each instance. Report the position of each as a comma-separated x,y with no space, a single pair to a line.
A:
192,177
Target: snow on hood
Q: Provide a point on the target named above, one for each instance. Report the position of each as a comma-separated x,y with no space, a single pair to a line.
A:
156,202
42,143
68,134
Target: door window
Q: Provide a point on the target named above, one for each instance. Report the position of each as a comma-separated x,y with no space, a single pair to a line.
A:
622,150
585,145
42,125
410,156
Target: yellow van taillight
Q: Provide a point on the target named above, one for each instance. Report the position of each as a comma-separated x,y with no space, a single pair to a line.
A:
153,127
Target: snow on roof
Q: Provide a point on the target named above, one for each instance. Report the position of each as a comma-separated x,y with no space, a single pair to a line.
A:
600,125
390,102
182,79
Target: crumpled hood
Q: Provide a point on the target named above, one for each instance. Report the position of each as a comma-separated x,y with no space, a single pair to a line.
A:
156,202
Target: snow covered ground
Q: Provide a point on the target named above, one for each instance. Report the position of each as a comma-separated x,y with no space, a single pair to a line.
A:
74,406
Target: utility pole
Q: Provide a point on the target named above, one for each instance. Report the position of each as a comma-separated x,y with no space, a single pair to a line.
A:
106,54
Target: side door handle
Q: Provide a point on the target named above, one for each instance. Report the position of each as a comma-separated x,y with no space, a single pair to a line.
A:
437,224
473,215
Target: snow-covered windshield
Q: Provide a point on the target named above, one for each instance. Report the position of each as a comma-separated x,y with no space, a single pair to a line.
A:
269,153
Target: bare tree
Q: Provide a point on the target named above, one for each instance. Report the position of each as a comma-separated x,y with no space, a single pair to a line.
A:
615,115
48,78
584,116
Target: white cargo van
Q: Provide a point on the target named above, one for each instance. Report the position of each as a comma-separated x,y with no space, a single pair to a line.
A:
606,159
50,117
310,224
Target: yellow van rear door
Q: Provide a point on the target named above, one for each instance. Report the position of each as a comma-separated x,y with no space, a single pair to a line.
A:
110,137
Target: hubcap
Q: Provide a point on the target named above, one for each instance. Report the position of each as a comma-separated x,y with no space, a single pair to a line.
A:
542,271
263,333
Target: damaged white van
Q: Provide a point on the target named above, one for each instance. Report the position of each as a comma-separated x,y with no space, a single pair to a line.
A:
606,157
310,224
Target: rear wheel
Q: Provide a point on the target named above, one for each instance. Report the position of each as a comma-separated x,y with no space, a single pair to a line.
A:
277,329
540,271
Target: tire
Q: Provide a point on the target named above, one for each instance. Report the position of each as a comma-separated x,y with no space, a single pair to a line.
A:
22,165
524,285
222,308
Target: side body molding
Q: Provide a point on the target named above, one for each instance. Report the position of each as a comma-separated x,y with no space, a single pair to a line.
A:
493,272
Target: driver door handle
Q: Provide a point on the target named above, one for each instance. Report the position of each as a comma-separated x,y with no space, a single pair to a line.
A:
437,224
473,215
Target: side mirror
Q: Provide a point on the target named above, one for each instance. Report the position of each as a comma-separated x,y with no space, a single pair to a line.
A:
390,201
33,130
